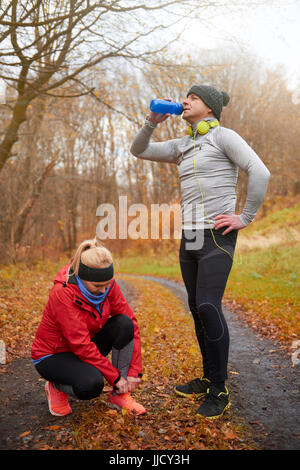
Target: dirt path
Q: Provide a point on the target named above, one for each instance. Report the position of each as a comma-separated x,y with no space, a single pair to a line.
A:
265,392
265,389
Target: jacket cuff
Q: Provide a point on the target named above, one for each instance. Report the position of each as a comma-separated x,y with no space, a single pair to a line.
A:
117,379
135,372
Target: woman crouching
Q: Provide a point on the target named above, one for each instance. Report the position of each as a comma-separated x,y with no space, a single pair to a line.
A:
85,318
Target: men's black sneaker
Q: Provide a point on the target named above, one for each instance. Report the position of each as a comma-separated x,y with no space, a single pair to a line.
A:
215,404
194,388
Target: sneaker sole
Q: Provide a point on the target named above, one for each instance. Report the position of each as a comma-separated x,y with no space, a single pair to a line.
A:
216,416
113,406
119,408
190,395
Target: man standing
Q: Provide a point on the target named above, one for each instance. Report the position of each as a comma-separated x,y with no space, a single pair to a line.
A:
208,160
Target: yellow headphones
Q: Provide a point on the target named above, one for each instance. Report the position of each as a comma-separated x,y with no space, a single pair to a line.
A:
203,127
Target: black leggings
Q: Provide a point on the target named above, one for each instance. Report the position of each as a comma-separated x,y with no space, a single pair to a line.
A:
205,270
86,380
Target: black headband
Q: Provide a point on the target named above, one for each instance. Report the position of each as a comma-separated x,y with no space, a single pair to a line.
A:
95,274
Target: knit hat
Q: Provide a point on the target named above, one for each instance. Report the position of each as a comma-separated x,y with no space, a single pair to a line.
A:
213,98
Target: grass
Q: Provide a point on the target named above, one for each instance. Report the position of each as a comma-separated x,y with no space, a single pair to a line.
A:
264,284
151,264
281,227
284,219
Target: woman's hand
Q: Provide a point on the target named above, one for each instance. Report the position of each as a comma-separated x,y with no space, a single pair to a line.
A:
121,386
133,383
233,222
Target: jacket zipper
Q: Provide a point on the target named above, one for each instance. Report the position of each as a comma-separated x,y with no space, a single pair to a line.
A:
79,302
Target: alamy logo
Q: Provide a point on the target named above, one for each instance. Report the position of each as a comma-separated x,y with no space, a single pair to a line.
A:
137,221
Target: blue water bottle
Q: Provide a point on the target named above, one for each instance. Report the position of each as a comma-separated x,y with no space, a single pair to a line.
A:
166,107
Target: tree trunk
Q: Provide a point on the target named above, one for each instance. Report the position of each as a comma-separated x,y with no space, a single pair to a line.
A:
23,213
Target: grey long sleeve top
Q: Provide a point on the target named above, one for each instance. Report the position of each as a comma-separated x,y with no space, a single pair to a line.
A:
208,186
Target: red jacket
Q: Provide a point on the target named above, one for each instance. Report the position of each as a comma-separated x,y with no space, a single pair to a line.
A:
70,321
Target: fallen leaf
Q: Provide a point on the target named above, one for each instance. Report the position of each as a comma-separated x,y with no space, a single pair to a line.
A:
162,431
192,430
230,435
112,412
52,428
24,434
256,423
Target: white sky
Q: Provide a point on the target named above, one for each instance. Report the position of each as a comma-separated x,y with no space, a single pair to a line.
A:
271,33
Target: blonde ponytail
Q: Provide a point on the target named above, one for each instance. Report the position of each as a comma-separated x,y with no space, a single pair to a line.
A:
93,254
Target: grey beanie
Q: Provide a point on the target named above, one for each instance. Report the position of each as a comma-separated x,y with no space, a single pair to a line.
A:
213,98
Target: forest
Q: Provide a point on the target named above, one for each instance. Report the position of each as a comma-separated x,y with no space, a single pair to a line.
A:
66,128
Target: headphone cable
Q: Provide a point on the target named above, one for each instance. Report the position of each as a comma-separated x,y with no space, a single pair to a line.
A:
194,160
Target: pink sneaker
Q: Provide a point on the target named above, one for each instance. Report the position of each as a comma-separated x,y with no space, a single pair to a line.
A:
125,400
58,401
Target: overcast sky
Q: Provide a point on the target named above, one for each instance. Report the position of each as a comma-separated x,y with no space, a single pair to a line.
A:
271,33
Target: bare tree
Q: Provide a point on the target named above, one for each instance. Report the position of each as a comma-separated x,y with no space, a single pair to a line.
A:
51,44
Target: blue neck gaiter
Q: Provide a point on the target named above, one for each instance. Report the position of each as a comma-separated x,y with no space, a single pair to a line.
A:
92,298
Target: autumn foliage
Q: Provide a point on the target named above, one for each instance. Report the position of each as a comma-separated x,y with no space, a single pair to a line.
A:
170,356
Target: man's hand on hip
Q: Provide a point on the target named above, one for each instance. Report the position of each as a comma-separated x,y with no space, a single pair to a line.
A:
232,222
